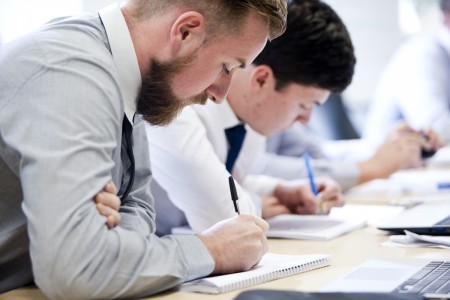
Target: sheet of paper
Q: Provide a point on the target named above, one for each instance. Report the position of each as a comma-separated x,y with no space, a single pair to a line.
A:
408,187
373,214
413,240
311,227
441,159
439,240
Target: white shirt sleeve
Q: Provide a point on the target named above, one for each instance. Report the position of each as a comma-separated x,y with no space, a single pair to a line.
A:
423,93
346,173
185,163
414,87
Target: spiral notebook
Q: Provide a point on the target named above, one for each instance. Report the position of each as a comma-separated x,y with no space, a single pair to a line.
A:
272,266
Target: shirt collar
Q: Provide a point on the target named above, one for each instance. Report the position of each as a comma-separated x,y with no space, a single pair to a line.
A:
124,56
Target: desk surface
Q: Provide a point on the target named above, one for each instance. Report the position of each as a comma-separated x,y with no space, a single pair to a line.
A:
347,252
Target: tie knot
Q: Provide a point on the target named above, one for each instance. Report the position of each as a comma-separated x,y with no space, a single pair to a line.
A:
240,128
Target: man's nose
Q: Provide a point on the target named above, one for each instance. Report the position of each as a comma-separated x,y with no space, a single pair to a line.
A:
218,91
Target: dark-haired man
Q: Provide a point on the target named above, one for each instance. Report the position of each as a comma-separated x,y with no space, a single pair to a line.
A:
191,157
68,97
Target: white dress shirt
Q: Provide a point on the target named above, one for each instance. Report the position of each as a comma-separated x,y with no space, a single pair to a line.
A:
414,87
188,162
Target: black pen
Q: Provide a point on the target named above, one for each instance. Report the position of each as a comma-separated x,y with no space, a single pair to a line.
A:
234,195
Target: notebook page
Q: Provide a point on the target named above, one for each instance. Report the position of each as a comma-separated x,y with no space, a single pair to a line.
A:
271,266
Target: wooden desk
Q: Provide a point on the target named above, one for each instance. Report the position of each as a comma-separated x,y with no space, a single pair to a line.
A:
347,252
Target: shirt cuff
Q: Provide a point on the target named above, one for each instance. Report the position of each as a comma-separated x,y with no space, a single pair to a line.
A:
198,261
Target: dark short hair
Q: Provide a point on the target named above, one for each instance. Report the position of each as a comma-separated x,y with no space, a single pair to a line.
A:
445,5
315,50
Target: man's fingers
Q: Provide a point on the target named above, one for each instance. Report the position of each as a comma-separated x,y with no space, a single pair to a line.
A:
107,204
281,209
110,187
108,199
262,224
275,210
329,195
265,244
308,208
104,210
112,221
113,217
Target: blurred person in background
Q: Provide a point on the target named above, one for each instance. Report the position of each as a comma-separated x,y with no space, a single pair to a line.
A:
414,86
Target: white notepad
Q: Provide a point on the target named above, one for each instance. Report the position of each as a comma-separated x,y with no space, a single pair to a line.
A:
272,266
311,227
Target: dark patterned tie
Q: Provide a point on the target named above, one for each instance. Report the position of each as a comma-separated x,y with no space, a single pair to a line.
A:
127,158
235,136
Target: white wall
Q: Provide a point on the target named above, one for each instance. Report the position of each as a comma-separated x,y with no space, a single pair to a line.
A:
18,17
94,5
375,32
377,28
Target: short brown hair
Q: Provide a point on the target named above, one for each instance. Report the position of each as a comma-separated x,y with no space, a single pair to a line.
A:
231,13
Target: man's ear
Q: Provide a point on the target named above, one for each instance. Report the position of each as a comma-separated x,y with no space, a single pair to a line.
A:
187,34
262,77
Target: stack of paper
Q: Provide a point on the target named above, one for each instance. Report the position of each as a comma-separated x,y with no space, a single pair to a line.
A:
411,239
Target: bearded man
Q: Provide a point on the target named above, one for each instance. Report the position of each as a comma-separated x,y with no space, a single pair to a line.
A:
73,98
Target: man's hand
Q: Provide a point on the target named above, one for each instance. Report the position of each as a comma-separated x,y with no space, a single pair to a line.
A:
401,149
432,140
272,207
299,199
236,244
108,204
330,194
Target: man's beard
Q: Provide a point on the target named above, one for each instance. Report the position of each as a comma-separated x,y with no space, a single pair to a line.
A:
156,101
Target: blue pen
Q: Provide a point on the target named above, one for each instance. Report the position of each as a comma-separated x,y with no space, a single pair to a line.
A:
310,174
443,185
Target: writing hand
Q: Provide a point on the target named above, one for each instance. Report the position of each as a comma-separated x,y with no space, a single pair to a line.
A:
297,196
432,141
236,244
330,194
